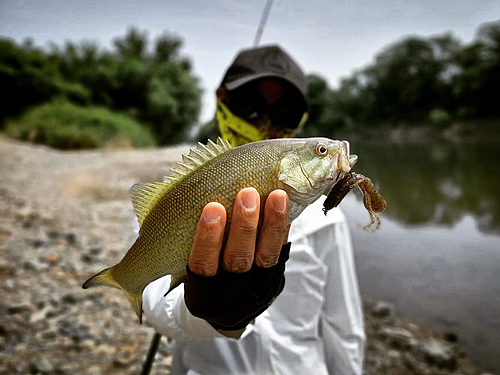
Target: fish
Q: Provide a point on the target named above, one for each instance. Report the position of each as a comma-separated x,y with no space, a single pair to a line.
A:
168,211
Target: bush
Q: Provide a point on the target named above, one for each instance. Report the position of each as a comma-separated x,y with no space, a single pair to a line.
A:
63,125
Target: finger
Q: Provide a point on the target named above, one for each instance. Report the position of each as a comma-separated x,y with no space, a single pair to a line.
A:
274,229
240,246
207,244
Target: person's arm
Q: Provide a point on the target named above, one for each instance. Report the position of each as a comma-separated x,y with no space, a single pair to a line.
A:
342,319
254,270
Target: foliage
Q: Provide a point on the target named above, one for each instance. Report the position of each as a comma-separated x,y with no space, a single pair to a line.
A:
154,85
416,80
61,124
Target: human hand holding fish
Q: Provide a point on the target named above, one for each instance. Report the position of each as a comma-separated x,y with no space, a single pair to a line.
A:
250,254
213,177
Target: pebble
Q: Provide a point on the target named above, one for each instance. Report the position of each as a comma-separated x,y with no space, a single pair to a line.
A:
399,338
70,238
42,365
18,309
439,353
384,309
52,259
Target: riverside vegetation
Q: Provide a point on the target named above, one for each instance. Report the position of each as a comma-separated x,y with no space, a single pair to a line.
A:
437,82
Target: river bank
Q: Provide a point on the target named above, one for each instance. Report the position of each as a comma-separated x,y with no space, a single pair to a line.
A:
479,130
65,216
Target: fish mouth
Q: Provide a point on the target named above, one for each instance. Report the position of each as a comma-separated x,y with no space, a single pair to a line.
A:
337,170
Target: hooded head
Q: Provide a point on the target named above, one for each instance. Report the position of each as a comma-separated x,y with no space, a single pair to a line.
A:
262,96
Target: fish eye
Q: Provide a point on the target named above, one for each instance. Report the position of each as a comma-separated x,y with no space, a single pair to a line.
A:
321,149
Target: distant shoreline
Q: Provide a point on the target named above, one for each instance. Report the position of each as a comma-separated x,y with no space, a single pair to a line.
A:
480,130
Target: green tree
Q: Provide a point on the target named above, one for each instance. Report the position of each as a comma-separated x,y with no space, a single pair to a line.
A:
30,77
405,81
476,87
152,83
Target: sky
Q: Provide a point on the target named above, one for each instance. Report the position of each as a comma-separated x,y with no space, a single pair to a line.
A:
332,38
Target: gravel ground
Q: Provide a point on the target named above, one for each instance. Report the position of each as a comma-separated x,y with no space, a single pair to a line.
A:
66,215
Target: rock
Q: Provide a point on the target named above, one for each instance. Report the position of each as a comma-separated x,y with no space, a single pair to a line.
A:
95,251
42,365
384,309
123,359
38,243
34,265
69,299
398,338
10,328
440,354
87,258
55,313
18,309
93,370
53,234
27,216
106,350
49,335
7,270
70,238
51,259
450,337
40,315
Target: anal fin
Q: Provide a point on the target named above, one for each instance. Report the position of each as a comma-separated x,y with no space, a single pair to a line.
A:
176,281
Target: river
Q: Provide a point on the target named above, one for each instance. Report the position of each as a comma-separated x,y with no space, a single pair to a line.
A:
436,255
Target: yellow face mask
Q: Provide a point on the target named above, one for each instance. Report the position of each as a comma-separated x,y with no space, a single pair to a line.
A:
239,132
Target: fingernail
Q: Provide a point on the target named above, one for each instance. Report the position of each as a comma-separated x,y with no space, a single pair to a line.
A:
212,214
280,203
249,199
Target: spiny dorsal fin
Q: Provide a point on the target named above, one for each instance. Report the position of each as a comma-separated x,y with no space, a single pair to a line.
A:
145,197
196,158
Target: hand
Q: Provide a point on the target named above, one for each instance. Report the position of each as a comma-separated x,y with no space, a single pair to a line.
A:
249,266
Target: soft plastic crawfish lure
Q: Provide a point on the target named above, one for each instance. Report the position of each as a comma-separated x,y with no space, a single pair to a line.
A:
373,201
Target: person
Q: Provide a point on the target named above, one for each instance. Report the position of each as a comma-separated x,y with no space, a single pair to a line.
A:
311,325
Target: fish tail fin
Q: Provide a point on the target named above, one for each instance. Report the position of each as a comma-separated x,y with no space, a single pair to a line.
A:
102,278
106,278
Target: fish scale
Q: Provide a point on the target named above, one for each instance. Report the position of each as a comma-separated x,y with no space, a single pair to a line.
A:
168,212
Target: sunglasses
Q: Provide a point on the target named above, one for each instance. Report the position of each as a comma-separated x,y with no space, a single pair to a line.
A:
251,106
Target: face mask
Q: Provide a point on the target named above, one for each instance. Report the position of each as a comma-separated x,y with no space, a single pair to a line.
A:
239,132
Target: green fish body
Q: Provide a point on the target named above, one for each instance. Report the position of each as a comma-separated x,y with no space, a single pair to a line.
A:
168,211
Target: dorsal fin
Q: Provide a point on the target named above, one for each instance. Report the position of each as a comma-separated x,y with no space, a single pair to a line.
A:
196,158
146,196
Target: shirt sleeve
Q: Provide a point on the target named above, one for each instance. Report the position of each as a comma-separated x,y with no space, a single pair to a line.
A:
169,315
342,319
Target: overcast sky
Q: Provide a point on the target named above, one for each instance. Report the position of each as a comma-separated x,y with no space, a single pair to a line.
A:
331,38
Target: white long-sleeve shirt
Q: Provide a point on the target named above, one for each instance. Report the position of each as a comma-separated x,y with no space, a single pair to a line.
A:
314,326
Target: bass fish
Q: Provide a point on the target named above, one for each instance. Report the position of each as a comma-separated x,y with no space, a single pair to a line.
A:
168,211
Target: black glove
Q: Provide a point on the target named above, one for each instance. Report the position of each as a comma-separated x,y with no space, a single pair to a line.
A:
228,300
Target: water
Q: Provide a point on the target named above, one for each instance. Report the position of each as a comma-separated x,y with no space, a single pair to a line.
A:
437,253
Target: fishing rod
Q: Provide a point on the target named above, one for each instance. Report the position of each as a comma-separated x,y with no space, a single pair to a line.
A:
262,23
155,341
